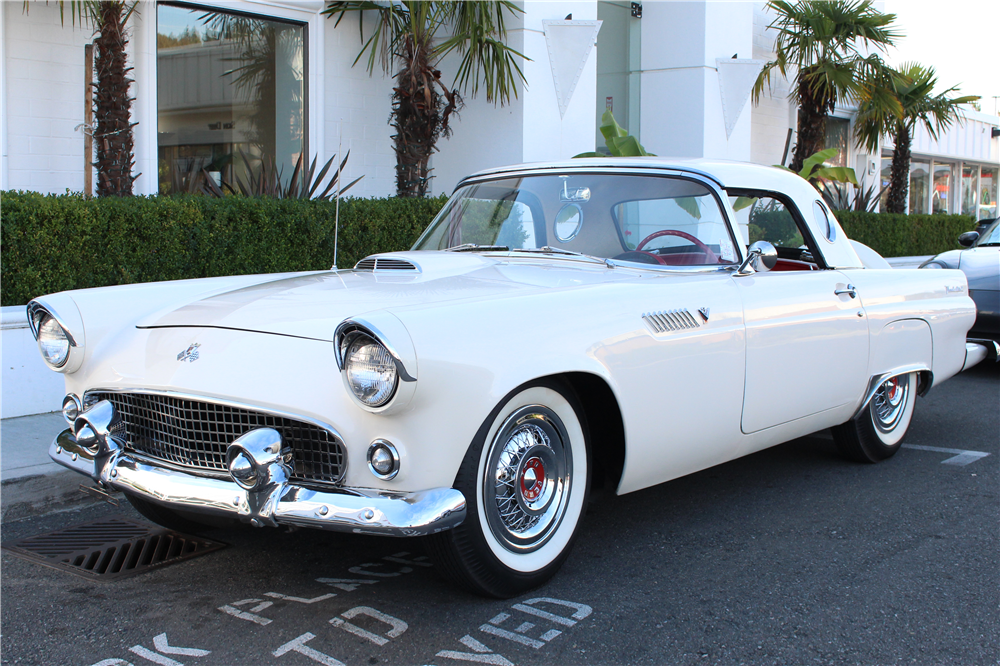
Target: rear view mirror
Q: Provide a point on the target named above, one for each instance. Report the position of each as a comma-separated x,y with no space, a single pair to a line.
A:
968,238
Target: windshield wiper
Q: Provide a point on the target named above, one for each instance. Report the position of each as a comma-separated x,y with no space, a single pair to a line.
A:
548,249
472,247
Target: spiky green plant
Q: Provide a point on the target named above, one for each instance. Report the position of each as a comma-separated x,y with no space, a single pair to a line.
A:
820,44
913,87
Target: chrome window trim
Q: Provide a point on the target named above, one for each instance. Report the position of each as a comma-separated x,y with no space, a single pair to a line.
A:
225,402
37,308
356,323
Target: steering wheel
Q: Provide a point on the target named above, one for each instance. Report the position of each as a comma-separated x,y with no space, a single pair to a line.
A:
710,257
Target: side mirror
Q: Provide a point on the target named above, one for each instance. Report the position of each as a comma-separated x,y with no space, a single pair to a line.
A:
761,257
968,238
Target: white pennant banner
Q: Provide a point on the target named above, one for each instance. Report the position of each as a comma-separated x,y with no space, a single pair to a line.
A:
569,44
736,79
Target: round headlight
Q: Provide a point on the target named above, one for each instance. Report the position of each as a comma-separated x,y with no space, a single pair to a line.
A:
53,343
371,371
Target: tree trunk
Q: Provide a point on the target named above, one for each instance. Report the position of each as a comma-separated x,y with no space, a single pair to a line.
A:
112,104
899,178
419,116
811,123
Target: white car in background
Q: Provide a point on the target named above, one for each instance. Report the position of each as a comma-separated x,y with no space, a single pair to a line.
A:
597,322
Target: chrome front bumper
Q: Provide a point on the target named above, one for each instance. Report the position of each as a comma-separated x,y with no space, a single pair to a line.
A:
92,449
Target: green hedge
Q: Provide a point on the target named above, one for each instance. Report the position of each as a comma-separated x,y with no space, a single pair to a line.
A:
56,242
898,235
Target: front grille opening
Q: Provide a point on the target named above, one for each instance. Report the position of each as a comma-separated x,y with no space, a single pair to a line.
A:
111,548
194,434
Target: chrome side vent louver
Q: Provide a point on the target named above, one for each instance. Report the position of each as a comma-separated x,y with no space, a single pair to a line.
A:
667,321
385,264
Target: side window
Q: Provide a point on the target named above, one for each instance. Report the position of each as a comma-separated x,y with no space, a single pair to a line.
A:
763,217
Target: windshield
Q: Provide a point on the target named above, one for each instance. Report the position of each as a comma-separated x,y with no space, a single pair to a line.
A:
990,236
659,220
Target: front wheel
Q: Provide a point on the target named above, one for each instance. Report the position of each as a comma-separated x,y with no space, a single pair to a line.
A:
877,432
525,480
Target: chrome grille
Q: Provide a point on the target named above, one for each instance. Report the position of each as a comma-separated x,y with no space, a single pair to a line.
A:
194,434
384,264
670,320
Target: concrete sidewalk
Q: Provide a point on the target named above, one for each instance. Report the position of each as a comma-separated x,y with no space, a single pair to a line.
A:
30,483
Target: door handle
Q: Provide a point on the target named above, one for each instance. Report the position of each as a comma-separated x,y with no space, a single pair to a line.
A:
850,291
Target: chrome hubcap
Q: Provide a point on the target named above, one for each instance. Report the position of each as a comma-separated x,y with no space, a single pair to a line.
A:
526,483
888,402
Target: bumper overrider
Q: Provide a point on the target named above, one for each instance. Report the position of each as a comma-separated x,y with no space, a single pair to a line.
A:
259,492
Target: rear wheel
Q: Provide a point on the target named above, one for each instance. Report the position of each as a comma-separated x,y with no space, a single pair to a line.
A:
525,481
877,432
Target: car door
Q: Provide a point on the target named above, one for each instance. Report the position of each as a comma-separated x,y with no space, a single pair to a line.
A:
806,330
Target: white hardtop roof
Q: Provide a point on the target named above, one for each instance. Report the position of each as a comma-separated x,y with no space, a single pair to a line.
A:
727,173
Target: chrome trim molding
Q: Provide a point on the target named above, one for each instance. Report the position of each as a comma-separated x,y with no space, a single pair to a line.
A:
668,321
357,510
356,324
37,309
924,381
391,448
385,264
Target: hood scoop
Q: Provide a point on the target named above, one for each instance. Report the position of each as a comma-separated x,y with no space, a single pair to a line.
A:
385,264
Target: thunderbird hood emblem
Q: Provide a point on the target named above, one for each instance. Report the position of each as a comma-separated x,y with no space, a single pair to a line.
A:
190,354
704,312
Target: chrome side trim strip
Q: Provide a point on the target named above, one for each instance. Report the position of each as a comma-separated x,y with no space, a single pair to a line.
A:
357,510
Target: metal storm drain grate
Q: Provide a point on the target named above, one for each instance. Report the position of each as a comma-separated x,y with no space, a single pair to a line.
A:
111,548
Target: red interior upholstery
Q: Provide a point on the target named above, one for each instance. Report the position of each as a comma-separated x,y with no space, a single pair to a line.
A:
793,265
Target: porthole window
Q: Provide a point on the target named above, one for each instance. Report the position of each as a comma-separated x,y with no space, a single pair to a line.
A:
825,224
569,219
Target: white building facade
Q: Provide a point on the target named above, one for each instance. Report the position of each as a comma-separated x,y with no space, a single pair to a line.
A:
676,74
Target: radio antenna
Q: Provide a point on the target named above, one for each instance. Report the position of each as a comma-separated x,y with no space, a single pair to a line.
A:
336,217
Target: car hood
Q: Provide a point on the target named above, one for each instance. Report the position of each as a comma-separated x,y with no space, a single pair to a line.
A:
311,305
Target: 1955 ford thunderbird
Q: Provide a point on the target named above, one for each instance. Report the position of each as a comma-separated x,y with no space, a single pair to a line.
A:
612,322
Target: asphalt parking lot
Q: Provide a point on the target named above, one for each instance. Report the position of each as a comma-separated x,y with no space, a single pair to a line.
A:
789,556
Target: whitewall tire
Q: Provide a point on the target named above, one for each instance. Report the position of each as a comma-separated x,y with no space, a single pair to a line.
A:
877,432
525,481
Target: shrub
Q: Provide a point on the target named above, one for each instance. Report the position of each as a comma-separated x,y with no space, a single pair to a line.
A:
898,235
57,242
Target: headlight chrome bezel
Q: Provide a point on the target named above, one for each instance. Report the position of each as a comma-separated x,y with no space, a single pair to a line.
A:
40,313
354,330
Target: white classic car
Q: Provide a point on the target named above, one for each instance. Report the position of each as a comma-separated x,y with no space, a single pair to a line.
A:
598,322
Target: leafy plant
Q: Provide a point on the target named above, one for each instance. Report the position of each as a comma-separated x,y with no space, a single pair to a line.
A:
405,42
818,45
617,139
267,181
814,169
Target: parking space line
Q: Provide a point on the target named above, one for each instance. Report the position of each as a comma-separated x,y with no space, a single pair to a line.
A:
959,457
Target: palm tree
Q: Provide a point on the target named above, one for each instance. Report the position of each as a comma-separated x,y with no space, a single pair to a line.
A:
912,86
821,39
403,41
112,131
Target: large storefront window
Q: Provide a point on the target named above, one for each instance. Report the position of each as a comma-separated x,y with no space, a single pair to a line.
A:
919,184
970,194
988,193
942,188
226,84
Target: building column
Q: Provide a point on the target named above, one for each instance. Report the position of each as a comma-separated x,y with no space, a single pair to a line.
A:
681,107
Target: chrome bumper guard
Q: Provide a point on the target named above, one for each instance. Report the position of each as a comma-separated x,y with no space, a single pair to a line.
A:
259,493
977,350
